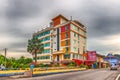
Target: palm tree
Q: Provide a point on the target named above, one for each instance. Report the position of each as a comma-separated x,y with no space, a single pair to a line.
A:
35,46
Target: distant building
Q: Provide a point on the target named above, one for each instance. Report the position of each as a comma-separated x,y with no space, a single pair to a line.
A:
112,60
100,61
63,41
89,58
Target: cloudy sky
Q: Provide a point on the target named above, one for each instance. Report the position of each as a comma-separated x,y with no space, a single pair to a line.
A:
19,19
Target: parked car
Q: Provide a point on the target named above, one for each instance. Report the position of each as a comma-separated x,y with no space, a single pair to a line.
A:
114,67
2,67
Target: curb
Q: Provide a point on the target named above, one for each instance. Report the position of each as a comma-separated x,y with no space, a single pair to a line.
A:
51,73
118,77
39,74
10,74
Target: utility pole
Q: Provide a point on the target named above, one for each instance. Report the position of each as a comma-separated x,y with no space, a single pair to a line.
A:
5,56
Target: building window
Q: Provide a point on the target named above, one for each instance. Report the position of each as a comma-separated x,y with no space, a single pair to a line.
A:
78,37
74,48
44,33
66,42
45,39
46,51
66,56
74,34
80,57
74,41
76,56
66,35
73,56
74,27
47,45
43,57
66,28
66,49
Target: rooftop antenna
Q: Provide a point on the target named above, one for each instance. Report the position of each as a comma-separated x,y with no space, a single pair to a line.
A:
71,18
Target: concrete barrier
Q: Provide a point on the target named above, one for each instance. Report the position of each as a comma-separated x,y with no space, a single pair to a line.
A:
28,73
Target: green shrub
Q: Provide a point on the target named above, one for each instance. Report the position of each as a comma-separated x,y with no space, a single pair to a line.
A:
43,65
86,67
72,64
57,65
82,66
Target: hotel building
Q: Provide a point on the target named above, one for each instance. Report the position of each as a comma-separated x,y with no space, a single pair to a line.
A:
63,41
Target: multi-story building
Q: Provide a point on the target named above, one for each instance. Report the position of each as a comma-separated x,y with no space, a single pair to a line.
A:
63,41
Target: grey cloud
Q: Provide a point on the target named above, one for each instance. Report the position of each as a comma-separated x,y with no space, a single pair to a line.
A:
104,26
18,11
28,8
104,49
23,9
101,19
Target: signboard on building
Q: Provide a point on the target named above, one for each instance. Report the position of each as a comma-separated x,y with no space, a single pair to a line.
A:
91,55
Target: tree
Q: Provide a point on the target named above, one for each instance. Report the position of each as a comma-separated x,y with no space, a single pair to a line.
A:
22,62
117,55
35,46
2,59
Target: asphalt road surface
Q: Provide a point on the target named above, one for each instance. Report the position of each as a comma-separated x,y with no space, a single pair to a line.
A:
92,74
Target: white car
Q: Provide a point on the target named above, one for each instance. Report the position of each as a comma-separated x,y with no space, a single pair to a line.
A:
114,67
2,68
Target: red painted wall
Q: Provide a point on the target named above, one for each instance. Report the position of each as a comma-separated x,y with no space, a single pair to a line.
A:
63,28
91,55
56,21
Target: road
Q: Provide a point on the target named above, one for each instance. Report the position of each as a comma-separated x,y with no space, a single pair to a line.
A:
92,74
